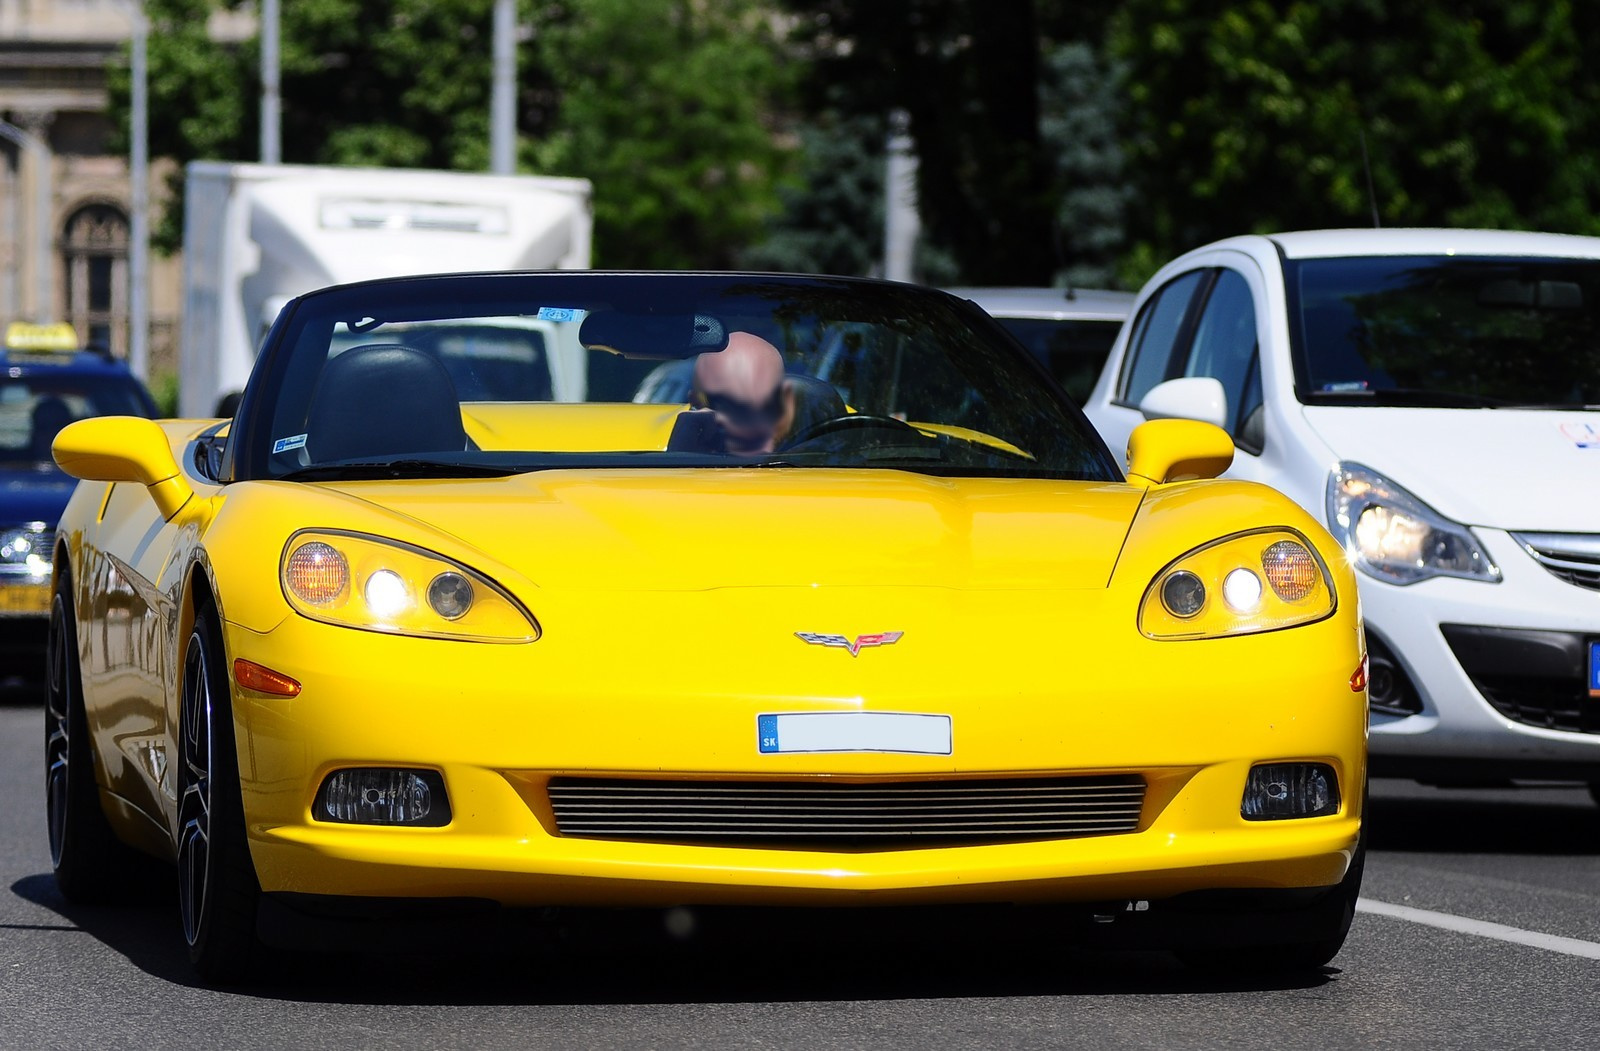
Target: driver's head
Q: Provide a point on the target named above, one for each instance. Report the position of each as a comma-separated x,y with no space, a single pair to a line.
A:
743,384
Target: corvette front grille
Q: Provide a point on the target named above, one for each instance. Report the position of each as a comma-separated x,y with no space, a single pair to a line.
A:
817,814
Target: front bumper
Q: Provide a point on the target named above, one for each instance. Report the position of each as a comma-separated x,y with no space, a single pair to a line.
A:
1499,671
1188,718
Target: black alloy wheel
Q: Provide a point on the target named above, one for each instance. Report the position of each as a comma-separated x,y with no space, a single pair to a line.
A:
217,887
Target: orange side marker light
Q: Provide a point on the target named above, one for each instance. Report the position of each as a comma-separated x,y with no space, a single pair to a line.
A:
253,676
1358,679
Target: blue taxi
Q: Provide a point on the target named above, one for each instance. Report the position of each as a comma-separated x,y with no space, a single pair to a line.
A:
46,382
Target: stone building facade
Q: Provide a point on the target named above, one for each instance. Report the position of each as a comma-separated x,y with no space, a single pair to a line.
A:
65,200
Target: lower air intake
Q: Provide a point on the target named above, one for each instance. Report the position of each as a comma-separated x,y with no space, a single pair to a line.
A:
883,816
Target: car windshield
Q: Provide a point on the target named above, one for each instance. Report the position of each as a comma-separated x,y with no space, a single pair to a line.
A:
498,374
1073,349
1447,331
34,406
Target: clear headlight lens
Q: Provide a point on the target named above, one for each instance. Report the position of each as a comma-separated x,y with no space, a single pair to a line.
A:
361,581
1238,585
1396,537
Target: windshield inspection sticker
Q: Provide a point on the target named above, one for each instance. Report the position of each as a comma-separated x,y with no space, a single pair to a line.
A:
283,445
559,314
1582,435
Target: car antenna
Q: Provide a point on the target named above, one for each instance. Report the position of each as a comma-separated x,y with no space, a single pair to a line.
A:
1366,164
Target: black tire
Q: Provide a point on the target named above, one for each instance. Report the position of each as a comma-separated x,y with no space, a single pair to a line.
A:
91,865
1331,915
218,892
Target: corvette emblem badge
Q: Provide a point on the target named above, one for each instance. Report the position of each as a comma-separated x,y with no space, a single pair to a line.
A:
861,642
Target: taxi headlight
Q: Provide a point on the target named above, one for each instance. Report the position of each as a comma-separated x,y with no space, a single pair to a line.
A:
1241,584
27,547
1394,536
368,582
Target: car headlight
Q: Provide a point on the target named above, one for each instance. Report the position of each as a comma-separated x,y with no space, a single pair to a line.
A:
1396,537
367,582
25,548
1245,583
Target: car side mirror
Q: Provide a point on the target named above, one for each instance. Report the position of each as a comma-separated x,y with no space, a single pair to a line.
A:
1190,398
1162,451
124,449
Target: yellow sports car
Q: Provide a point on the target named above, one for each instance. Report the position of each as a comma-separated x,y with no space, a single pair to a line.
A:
873,618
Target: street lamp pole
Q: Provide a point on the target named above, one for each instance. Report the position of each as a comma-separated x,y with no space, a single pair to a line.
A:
271,131
502,114
139,188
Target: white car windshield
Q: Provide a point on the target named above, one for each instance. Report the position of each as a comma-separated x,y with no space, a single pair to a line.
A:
1446,331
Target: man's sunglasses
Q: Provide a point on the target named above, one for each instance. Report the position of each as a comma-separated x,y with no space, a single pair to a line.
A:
733,408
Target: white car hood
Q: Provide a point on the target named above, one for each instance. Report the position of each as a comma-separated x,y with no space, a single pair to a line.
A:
1535,470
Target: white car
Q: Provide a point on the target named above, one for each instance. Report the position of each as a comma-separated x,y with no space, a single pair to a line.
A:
1434,396
1069,330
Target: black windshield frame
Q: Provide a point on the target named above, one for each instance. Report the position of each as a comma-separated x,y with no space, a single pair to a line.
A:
247,455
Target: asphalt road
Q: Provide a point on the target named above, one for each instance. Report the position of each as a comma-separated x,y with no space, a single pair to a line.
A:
1502,868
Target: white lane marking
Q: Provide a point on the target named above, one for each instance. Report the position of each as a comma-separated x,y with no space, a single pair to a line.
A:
1482,928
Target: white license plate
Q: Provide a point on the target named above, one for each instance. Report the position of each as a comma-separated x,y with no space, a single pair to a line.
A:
910,732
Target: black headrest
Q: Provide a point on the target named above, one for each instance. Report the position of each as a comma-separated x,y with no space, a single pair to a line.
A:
383,400
814,401
652,336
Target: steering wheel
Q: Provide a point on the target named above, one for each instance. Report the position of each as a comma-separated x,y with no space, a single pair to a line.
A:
850,421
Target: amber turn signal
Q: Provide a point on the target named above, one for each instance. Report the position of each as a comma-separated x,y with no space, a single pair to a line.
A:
253,676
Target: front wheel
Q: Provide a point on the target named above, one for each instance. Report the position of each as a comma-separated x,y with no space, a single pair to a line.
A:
217,887
1327,922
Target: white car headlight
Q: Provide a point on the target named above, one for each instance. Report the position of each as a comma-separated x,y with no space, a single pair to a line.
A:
1396,537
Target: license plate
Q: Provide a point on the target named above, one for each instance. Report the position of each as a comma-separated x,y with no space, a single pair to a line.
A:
1594,669
908,732
25,598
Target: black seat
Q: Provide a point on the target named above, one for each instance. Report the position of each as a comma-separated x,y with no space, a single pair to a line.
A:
815,401
383,400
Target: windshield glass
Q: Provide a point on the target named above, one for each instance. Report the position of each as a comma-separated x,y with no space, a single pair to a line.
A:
1447,331
33,407
1074,350
497,374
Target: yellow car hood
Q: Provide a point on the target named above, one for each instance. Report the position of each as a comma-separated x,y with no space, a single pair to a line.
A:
693,530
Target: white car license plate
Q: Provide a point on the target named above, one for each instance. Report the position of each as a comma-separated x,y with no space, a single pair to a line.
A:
915,733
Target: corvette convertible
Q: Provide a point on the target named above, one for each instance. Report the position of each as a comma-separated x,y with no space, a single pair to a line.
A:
872,618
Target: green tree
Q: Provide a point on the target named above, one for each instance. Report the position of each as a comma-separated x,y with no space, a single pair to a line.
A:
1080,107
661,102
1261,115
967,74
667,107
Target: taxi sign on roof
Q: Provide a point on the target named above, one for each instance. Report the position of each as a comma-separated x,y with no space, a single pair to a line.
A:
50,336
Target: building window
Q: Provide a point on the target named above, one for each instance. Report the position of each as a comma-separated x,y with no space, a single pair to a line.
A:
95,253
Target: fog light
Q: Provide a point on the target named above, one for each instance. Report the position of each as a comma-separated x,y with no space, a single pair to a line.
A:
450,595
383,796
1286,790
1183,594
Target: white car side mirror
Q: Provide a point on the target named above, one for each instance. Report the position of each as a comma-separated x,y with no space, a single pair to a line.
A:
1190,398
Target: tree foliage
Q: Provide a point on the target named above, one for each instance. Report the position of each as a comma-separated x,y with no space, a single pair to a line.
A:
660,102
1258,115
967,74
666,106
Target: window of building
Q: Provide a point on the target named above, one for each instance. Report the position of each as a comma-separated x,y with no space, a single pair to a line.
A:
95,253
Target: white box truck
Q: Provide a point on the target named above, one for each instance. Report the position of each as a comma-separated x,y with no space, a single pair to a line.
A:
255,236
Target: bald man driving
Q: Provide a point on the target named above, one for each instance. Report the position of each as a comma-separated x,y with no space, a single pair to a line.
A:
743,386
